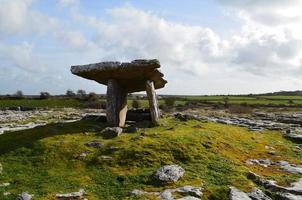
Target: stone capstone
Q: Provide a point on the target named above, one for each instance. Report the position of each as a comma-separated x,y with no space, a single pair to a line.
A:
169,173
132,76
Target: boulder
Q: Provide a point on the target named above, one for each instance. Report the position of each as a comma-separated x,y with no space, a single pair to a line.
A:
113,131
236,194
169,173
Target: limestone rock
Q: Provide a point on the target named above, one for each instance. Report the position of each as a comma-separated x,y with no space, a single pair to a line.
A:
288,196
72,195
236,194
113,131
294,169
257,194
24,196
294,137
132,76
296,187
189,190
169,173
166,195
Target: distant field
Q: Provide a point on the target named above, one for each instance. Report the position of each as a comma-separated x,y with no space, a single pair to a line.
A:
249,100
40,103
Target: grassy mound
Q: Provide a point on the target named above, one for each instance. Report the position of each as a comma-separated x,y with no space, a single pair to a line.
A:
46,160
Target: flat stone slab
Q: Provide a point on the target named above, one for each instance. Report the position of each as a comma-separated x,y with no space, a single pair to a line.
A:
131,76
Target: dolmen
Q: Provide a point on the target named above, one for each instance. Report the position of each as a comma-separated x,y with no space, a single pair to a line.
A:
124,78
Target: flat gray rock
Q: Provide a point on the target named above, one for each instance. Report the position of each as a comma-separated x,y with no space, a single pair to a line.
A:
72,195
236,194
169,173
132,76
288,196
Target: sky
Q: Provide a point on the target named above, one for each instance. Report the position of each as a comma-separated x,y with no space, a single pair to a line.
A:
204,46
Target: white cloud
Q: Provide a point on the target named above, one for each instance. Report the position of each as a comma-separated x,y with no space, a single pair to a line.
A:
16,17
68,3
133,33
76,40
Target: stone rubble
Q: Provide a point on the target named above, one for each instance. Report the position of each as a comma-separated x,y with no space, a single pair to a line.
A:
14,120
284,165
295,189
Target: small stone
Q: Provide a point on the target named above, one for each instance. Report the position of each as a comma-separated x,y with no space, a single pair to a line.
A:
83,155
106,158
24,196
136,192
113,131
166,195
72,195
169,173
6,193
94,144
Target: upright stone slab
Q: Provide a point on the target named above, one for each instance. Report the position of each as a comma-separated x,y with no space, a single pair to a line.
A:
152,101
116,104
123,78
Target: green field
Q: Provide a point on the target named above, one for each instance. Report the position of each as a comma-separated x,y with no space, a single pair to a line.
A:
45,160
249,100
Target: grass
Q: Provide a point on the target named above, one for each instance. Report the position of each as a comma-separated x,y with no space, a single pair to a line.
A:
40,103
45,160
254,100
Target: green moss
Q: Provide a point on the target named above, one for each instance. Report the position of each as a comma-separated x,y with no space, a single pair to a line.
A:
45,160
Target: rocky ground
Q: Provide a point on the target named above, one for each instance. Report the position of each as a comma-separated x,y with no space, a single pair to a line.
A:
15,120
276,160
